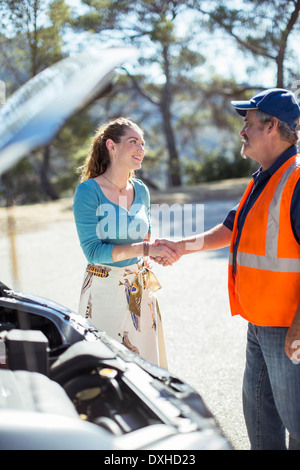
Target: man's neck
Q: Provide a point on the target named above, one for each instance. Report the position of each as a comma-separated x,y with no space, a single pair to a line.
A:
274,154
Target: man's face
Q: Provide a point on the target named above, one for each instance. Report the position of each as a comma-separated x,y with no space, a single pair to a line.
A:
253,135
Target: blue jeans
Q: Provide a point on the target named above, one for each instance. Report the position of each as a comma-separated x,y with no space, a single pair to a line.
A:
271,390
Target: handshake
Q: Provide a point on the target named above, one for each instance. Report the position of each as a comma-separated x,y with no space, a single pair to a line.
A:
165,252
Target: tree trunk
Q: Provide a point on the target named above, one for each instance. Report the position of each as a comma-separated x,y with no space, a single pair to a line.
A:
283,44
165,107
45,181
174,165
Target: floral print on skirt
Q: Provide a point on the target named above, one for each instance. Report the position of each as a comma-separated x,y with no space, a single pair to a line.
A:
121,301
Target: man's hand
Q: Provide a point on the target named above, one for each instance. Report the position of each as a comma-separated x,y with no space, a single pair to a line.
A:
292,344
292,340
164,252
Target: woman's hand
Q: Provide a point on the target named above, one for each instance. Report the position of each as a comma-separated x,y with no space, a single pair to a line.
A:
164,252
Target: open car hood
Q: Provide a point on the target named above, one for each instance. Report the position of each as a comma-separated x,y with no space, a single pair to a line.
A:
34,114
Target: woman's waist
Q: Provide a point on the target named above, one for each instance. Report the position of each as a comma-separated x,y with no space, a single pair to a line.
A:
102,270
137,273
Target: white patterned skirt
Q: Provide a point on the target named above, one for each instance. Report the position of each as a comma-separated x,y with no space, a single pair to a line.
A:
121,301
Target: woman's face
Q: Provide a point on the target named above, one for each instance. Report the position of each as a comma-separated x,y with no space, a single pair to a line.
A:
130,151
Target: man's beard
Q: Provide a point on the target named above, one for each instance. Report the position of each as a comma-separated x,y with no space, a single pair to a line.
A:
243,153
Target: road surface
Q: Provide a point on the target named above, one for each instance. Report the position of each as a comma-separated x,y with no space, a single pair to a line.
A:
205,345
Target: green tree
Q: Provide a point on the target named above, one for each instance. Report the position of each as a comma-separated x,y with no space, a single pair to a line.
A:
262,27
32,42
152,25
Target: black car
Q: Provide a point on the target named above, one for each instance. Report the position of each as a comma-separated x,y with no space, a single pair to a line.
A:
67,385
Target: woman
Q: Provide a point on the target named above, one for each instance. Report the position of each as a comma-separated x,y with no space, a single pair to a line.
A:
112,216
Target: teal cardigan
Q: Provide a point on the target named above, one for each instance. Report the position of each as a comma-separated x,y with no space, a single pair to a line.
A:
101,224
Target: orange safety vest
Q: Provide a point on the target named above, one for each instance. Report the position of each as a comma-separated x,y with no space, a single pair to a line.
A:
265,290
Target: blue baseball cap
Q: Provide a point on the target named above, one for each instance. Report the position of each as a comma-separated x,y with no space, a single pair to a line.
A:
276,102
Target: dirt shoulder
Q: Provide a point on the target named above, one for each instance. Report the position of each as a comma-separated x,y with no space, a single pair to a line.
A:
33,217
219,190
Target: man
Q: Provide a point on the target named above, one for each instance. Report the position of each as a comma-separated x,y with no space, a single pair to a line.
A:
264,267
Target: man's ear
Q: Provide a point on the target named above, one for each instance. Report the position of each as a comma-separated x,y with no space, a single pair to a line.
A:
272,126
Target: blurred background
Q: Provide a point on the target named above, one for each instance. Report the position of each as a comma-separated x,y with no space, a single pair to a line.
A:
195,56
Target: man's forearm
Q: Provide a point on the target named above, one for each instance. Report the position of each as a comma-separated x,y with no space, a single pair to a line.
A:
213,239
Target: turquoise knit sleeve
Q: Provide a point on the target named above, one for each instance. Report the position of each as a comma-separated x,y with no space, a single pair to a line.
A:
85,205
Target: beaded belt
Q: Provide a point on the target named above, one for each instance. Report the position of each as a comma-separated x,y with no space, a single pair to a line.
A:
99,272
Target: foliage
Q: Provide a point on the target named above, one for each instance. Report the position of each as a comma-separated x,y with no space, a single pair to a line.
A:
215,166
262,28
152,25
33,36
170,91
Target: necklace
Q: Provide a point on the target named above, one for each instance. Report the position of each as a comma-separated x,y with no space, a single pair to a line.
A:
120,189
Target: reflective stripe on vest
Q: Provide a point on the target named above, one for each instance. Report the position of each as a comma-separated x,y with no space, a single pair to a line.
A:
280,265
